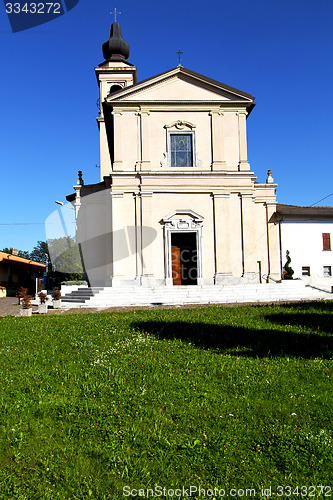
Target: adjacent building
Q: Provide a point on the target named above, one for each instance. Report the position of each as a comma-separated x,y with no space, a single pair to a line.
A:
307,233
16,272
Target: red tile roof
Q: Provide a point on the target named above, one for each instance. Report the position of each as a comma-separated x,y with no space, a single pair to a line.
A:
7,258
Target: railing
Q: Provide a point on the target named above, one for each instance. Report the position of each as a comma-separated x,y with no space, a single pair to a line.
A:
266,278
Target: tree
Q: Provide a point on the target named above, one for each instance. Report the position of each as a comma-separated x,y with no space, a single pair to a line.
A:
24,254
40,252
65,255
7,250
21,253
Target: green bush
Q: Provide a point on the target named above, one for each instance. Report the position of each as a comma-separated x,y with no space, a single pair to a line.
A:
288,274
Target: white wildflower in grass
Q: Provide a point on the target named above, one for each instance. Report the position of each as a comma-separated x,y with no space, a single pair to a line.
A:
123,346
293,415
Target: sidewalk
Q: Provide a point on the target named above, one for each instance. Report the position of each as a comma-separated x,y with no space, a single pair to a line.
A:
9,306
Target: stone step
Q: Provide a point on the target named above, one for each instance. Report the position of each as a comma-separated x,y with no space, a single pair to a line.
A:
108,296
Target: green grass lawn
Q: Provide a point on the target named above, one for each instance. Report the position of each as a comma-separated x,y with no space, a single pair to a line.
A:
216,397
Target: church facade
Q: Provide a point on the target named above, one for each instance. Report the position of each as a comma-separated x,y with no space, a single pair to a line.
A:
177,203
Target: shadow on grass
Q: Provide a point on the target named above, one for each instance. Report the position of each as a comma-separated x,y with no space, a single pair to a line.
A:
240,341
320,306
317,322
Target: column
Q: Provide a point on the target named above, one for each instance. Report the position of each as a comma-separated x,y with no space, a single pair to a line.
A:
218,161
243,163
273,244
119,245
138,244
118,154
223,273
108,232
147,254
145,140
249,238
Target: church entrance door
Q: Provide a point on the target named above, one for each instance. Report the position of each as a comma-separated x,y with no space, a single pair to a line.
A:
184,258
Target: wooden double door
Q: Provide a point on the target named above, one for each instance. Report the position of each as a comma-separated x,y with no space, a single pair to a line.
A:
184,258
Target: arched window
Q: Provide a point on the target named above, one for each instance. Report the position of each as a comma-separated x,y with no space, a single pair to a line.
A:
114,88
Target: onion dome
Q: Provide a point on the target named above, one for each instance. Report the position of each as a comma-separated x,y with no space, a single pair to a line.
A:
115,48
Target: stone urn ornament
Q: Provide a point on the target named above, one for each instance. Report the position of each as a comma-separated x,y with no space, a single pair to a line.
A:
56,299
42,306
25,302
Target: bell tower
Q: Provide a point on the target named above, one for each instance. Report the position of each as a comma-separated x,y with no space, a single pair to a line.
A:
114,74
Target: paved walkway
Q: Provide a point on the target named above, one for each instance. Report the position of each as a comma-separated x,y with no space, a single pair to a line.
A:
9,306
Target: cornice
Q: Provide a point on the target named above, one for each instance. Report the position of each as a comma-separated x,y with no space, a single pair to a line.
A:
207,104
264,185
180,173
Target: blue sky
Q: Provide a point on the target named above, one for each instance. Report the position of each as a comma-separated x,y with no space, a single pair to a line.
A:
280,52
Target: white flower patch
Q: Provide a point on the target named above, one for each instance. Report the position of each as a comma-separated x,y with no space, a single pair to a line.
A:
127,344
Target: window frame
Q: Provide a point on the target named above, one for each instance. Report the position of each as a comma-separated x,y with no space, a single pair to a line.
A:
327,274
181,132
306,271
326,242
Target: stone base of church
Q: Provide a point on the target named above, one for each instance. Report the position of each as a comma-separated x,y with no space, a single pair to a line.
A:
149,281
225,279
248,278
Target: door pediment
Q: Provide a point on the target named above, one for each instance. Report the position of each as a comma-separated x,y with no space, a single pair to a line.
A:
183,219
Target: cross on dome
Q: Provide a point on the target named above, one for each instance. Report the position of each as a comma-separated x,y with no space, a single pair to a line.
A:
115,48
115,14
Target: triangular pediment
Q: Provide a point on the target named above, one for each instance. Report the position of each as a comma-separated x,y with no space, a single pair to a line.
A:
180,85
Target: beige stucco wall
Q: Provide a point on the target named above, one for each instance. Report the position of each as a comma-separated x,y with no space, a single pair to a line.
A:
142,136
121,219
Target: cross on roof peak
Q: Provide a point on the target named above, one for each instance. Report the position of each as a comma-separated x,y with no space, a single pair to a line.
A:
179,52
115,14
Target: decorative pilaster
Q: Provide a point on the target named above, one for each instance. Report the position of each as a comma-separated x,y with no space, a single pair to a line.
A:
138,243
243,163
119,242
118,154
249,238
105,158
272,242
147,257
223,272
218,161
107,205
144,140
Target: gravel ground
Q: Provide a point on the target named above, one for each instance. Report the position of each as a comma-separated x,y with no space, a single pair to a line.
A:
9,307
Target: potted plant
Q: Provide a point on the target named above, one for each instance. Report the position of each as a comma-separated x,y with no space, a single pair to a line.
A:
56,296
25,302
42,307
